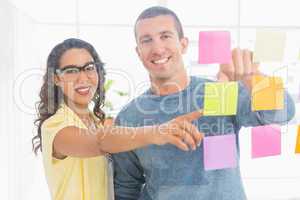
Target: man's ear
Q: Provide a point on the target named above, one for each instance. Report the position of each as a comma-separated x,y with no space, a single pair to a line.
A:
184,44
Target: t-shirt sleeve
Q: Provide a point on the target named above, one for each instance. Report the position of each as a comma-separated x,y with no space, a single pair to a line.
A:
246,117
49,130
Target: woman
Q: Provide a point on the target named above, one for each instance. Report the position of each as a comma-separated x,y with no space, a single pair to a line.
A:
72,139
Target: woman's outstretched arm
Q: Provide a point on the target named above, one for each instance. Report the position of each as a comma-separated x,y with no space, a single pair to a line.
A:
73,141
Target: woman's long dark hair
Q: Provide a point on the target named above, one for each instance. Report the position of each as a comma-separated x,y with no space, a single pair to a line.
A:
51,95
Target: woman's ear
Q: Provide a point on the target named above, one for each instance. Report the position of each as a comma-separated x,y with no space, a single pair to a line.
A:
56,80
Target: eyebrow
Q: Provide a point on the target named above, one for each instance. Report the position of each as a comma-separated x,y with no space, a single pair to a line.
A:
166,32
160,33
71,66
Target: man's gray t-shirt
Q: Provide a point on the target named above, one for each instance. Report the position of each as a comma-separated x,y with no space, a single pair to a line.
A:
168,173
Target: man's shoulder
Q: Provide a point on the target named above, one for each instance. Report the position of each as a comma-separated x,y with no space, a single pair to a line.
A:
197,79
131,108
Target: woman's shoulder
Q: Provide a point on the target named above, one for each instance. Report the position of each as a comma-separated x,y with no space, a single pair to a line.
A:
62,116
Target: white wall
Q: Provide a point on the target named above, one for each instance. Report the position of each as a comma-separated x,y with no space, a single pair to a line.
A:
6,70
26,42
21,173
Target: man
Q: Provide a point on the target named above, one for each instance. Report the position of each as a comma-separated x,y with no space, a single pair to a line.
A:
166,173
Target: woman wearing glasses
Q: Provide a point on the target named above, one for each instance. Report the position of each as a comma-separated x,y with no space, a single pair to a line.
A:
73,142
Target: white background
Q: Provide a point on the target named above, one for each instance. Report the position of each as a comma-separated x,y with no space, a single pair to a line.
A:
30,29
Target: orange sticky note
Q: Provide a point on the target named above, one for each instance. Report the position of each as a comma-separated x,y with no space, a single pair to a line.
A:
298,141
267,93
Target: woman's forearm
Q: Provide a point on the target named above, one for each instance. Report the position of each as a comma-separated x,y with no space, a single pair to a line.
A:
116,139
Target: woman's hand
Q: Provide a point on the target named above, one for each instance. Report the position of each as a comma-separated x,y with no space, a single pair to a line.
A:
180,132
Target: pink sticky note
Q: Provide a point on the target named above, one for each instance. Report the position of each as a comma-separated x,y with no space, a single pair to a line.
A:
266,141
219,152
214,47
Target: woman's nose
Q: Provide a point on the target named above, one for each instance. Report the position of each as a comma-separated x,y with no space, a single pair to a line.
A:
82,76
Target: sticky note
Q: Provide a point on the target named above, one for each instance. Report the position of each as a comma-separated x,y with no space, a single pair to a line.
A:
220,98
299,94
269,46
267,93
219,152
214,47
297,150
265,141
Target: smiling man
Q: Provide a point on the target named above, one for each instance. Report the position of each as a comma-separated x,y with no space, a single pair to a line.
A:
164,172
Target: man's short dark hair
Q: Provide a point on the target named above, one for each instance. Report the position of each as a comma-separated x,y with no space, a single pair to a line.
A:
158,11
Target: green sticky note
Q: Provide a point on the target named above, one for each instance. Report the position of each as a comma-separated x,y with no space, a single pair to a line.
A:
220,98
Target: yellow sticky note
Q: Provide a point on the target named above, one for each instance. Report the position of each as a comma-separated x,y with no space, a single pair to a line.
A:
220,98
269,46
267,93
298,141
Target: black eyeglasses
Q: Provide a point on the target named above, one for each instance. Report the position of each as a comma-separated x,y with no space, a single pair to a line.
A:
73,69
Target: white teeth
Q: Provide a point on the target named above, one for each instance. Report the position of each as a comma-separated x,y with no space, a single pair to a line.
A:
161,61
83,89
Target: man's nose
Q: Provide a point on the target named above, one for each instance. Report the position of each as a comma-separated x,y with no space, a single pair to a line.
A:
158,47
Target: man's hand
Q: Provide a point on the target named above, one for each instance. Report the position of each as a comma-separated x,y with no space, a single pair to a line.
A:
241,68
